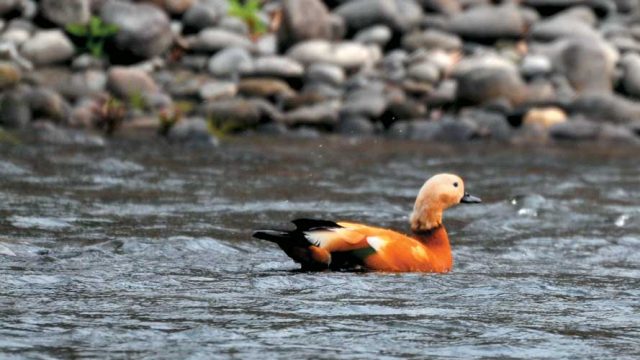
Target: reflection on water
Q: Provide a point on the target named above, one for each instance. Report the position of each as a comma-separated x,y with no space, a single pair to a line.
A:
146,251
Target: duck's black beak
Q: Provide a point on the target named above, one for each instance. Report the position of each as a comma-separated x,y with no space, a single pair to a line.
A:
470,199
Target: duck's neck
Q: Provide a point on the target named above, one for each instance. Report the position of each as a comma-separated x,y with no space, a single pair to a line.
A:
437,241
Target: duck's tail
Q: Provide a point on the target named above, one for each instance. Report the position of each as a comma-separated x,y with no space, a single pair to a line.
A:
296,245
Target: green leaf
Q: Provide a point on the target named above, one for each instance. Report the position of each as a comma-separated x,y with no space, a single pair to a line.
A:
77,29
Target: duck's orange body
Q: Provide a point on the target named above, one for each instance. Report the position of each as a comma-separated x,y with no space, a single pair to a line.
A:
321,244
429,252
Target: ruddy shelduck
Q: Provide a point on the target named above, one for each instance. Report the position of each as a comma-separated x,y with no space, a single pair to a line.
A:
322,244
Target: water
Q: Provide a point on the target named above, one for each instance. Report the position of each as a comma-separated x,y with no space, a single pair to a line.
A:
142,250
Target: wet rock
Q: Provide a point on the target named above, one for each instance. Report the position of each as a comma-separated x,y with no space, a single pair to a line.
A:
355,126
157,101
535,65
544,117
575,130
48,47
484,84
617,134
606,107
48,104
304,20
10,75
446,7
126,82
86,83
631,79
370,102
218,90
17,32
348,55
63,12
576,22
177,7
432,39
400,15
457,130
193,131
443,94
489,23
323,114
215,39
15,111
265,87
541,90
144,31
318,91
393,65
267,45
231,62
204,14
8,6
272,129
424,71
374,35
489,124
402,106
243,113
277,66
86,61
326,73
235,25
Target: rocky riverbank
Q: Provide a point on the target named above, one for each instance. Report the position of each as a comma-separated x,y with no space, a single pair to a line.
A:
445,70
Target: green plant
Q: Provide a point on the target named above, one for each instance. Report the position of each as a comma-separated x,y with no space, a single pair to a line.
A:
222,129
248,12
168,119
94,34
8,138
110,114
137,101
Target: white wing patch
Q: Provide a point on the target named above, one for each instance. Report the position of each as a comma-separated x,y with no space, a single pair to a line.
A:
376,243
319,238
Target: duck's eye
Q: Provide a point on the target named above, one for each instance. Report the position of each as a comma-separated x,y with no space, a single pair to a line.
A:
455,184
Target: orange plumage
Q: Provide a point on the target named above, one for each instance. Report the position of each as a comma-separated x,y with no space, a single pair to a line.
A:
321,244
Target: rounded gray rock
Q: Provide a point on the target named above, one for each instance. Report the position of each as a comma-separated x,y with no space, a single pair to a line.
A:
278,66
63,12
231,62
631,79
489,22
215,39
48,47
304,20
376,35
127,82
326,73
400,15
144,31
204,14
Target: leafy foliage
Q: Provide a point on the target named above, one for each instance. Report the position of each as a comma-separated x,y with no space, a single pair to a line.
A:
95,34
248,12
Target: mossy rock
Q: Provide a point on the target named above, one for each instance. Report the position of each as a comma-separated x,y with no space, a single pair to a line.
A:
10,75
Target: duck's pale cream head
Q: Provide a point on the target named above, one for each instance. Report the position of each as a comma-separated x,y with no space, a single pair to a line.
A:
437,194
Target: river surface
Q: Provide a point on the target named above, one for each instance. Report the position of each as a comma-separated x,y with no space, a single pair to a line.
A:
139,250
